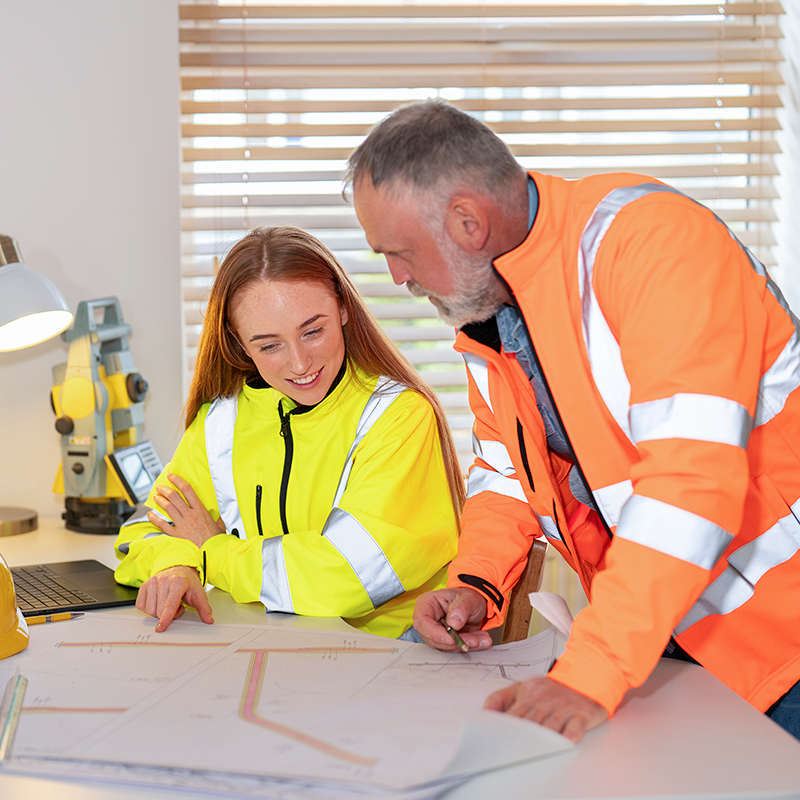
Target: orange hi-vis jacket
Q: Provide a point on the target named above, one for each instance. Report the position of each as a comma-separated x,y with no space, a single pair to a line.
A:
674,364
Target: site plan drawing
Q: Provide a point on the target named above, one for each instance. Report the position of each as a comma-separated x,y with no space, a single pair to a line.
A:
280,703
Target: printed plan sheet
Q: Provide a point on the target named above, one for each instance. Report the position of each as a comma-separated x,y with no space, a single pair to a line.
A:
267,711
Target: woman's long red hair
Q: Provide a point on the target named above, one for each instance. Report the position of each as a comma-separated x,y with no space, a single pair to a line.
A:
286,253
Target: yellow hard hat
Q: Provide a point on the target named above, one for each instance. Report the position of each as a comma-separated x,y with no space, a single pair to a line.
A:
13,628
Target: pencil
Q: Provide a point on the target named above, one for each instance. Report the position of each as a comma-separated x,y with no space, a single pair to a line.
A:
53,617
456,638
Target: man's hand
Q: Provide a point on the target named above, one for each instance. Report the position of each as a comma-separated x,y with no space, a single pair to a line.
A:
550,704
190,518
167,594
462,609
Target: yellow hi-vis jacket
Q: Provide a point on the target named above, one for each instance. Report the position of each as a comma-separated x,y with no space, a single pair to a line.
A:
674,365
341,509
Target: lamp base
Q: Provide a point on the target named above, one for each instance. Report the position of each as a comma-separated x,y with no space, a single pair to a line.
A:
17,520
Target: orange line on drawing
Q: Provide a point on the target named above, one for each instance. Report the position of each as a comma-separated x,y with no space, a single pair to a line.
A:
247,711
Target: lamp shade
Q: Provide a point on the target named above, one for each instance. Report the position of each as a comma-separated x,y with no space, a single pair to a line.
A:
32,310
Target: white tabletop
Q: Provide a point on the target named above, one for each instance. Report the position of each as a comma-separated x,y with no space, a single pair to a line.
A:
682,735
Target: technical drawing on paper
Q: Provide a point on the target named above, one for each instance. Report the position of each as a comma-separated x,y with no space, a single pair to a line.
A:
278,702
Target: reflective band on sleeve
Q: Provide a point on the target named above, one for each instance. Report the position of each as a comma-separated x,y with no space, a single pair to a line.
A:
479,370
610,500
672,531
495,454
125,547
746,566
275,592
701,417
364,555
219,428
779,381
487,480
549,527
386,391
605,357
141,517
783,377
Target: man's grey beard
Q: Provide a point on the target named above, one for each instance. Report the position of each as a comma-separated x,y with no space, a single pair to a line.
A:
478,292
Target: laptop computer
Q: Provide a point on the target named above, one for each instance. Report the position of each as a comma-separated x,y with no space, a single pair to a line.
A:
68,586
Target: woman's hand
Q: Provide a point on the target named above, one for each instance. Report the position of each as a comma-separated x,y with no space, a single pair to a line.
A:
190,518
167,594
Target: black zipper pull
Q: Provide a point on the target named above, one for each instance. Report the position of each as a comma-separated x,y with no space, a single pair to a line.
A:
285,422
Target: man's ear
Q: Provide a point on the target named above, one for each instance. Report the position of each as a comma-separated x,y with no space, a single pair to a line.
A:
467,223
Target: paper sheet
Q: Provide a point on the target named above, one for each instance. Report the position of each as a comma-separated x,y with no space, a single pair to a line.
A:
348,712
553,607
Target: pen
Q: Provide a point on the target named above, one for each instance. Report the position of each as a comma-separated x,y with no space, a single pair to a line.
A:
53,617
456,638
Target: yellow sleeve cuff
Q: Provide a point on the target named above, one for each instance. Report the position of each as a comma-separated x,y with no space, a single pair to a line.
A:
180,552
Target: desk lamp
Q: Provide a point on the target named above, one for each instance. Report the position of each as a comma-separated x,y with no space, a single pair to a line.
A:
32,310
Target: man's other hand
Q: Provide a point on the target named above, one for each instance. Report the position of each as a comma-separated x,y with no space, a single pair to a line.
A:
550,704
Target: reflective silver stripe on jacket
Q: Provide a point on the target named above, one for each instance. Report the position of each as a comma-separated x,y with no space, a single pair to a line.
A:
611,499
141,517
479,371
746,566
386,391
775,386
364,555
495,454
605,357
548,526
702,417
672,531
125,547
487,480
275,592
353,541
779,381
219,427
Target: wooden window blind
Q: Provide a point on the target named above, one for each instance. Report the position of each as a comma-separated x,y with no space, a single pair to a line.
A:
275,97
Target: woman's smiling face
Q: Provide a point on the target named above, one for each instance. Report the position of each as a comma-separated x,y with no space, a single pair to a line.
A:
293,332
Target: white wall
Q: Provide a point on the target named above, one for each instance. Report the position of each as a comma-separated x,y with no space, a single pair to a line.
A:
89,187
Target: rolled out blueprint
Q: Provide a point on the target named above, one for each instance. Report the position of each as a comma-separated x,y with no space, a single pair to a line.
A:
337,708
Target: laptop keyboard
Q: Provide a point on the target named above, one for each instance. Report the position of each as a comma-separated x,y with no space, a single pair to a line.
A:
38,588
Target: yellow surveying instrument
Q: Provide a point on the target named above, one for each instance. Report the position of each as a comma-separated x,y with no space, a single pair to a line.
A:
97,399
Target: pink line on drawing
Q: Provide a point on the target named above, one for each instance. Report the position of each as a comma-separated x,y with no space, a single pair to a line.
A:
316,650
145,644
247,711
70,710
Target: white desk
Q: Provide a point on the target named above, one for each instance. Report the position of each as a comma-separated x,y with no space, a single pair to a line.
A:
682,735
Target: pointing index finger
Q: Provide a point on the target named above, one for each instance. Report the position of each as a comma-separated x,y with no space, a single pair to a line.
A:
169,612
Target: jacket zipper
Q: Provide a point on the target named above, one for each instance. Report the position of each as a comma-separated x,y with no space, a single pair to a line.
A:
574,458
286,433
258,509
575,462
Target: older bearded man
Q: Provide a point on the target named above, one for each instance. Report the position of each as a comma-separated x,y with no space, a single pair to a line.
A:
635,379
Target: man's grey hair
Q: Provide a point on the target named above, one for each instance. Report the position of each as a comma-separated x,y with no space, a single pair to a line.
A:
433,147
